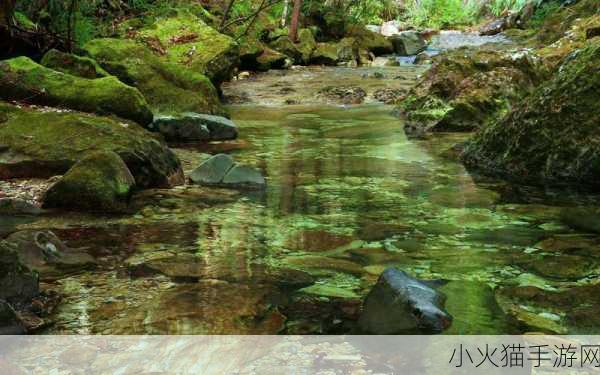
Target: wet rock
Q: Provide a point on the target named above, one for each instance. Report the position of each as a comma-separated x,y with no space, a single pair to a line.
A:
494,27
244,176
390,96
317,240
382,61
422,59
18,283
513,235
23,79
45,253
408,43
271,59
189,127
557,146
343,95
9,321
15,206
560,267
582,219
68,63
399,303
213,170
381,231
56,141
99,182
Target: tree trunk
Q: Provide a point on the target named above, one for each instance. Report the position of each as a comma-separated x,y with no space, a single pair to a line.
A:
284,14
294,23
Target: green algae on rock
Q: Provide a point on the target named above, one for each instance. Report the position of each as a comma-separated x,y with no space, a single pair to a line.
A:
21,79
55,141
553,135
99,182
301,51
168,87
68,63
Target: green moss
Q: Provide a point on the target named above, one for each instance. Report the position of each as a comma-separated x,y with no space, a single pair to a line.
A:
270,59
169,88
99,182
21,79
325,54
72,64
301,51
55,141
368,40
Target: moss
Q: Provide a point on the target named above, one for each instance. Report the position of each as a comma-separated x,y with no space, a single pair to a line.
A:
21,79
325,54
169,88
55,141
270,59
373,42
301,51
99,182
187,41
72,64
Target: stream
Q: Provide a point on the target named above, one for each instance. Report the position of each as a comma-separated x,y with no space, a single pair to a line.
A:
348,195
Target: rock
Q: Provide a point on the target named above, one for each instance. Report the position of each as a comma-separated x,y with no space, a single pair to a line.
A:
244,176
390,28
581,219
374,28
55,141
68,63
494,27
250,49
533,143
301,51
99,182
47,255
18,283
213,170
23,79
370,41
382,61
195,127
168,87
467,89
14,206
422,59
381,231
271,59
390,96
189,43
343,95
408,43
9,321
325,54
400,304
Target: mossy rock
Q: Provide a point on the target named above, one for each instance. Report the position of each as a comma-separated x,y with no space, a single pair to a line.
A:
553,135
271,59
467,89
169,88
99,182
188,42
44,143
325,54
250,49
18,283
72,64
301,51
371,41
21,79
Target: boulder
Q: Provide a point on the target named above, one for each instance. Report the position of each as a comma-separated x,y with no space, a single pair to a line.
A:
15,206
221,170
408,43
18,283
390,28
271,59
325,54
21,79
494,27
370,41
168,87
9,320
383,61
301,51
99,182
44,253
189,43
55,141
68,63
194,127
399,304
467,89
552,135
250,49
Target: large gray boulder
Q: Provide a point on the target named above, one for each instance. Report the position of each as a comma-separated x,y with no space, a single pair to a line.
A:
399,303
221,170
408,43
190,127
241,175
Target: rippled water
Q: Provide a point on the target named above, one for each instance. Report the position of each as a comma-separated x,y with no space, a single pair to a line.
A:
348,195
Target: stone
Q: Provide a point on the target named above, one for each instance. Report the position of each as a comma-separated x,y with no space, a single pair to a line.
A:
9,320
343,94
190,127
15,206
382,61
558,146
23,79
316,240
271,59
381,231
99,182
220,128
55,141
325,54
18,283
408,43
399,303
370,41
301,51
244,176
390,96
213,170
68,63
494,27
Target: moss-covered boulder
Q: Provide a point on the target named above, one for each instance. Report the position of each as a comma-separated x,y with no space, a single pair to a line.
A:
466,89
43,143
370,41
21,79
188,42
168,87
250,49
271,59
72,64
325,54
301,51
553,135
99,182
344,51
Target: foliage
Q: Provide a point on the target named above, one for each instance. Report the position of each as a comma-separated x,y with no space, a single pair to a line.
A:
541,13
441,13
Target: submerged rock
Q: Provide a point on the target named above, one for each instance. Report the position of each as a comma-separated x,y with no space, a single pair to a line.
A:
221,170
99,182
55,141
14,206
18,283
23,79
72,64
168,87
390,96
408,43
551,136
243,176
399,303
343,94
194,127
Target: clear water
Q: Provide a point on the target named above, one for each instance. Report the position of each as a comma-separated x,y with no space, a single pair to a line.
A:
348,195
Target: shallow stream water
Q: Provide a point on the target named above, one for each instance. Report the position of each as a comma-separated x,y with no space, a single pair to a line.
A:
348,195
